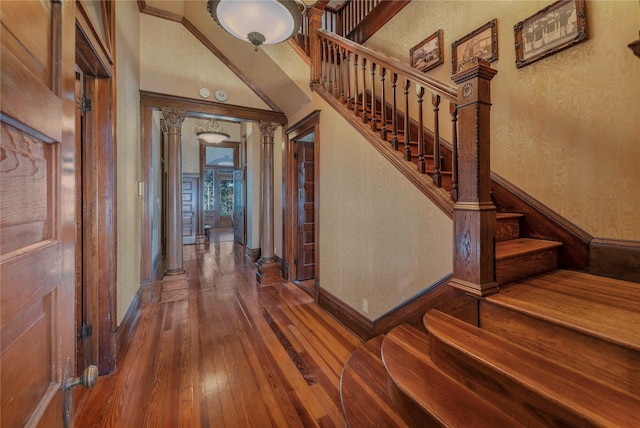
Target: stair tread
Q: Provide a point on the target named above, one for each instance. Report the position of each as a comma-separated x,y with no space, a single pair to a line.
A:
405,355
521,246
508,216
363,389
602,307
556,383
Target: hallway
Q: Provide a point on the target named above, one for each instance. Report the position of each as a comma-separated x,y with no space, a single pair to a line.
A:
227,355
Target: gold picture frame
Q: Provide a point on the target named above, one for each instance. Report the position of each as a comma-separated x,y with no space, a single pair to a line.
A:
429,53
556,27
482,43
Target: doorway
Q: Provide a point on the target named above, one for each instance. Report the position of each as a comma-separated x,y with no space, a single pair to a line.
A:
301,261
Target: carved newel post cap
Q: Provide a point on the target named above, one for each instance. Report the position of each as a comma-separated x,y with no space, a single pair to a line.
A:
472,67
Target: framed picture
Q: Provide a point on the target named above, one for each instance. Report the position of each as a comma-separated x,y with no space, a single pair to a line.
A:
428,53
482,43
554,28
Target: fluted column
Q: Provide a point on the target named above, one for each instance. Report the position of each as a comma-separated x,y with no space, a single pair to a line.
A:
173,119
268,269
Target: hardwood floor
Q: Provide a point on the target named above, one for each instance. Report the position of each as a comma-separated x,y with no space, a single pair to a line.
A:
227,355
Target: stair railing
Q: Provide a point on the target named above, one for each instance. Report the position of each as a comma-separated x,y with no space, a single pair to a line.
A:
353,74
336,65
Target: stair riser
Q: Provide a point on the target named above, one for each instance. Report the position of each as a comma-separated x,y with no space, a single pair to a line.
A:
523,403
507,229
519,267
603,360
407,408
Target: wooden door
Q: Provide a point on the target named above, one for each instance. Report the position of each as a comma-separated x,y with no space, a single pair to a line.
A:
37,213
306,211
189,209
238,207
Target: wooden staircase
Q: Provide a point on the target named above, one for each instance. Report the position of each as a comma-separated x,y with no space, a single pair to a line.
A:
553,348
557,349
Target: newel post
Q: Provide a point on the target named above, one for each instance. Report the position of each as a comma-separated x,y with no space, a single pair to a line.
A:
315,23
474,214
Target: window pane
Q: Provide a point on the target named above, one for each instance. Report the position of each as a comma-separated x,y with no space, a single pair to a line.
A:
226,197
209,190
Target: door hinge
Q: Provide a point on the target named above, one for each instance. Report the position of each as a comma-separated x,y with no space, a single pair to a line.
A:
85,332
295,261
295,156
86,104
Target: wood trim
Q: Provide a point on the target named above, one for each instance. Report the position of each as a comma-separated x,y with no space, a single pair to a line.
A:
203,108
380,15
307,125
252,253
440,197
125,330
90,42
349,317
615,258
541,222
436,296
212,48
146,226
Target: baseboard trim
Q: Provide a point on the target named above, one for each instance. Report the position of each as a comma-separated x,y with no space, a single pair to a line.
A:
129,322
437,296
615,258
360,325
252,253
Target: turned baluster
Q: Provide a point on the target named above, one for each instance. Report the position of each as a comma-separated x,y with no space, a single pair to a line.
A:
383,105
347,99
437,176
374,119
407,131
453,110
332,67
356,89
422,167
325,64
394,113
344,67
364,90
336,74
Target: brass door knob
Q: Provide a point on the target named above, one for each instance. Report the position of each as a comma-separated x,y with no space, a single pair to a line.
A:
88,379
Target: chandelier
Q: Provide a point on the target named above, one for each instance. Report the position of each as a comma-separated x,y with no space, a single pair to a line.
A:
211,132
259,21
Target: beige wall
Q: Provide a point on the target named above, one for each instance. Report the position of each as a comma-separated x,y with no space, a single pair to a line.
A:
565,129
381,239
174,62
127,134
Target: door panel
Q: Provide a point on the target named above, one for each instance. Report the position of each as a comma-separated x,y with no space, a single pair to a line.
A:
238,207
37,213
306,211
189,209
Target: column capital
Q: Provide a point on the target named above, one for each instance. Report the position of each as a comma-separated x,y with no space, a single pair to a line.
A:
173,117
268,129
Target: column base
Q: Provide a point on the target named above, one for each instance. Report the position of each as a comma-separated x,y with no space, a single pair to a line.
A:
174,286
268,273
477,290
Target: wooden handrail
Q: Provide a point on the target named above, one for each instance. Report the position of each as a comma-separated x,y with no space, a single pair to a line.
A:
443,89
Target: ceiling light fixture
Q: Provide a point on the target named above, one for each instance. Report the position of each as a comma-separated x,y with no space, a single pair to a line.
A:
211,132
258,21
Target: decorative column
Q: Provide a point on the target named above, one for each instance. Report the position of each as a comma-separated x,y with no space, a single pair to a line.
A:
474,215
268,269
174,271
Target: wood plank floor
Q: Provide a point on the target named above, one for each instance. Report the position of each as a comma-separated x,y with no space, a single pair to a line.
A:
226,354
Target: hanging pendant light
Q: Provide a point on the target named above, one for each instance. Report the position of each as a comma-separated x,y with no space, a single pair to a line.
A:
258,21
211,132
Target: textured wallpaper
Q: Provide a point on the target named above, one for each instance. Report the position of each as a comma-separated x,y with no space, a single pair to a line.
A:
381,239
565,129
174,62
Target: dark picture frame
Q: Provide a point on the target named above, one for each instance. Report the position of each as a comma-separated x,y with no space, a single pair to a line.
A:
556,27
429,53
482,43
